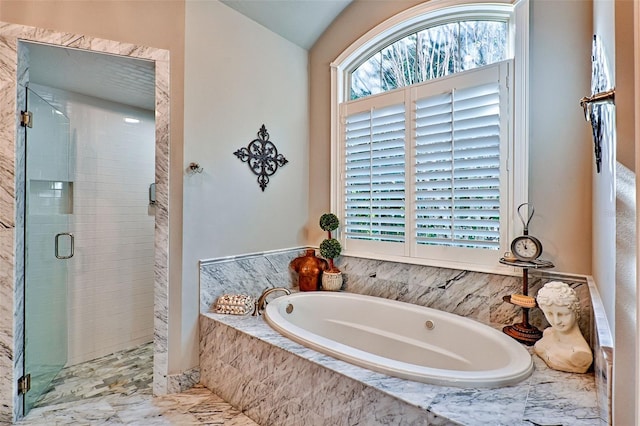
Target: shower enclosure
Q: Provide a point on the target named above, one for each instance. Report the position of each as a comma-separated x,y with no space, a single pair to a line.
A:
49,244
17,66
89,218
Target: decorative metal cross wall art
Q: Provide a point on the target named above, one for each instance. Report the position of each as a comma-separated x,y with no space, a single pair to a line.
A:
262,157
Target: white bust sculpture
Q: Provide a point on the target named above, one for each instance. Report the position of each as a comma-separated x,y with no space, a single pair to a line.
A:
562,346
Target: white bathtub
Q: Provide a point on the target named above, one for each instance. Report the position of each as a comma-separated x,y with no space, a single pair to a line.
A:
401,339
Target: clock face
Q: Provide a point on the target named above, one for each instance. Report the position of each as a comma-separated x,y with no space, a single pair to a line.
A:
526,248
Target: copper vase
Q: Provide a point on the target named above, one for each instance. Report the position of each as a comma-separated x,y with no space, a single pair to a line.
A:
309,268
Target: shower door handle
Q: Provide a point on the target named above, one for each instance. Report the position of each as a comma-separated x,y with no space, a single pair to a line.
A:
57,253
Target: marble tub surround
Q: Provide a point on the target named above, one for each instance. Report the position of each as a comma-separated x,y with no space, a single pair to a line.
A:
249,274
12,193
276,381
479,296
470,294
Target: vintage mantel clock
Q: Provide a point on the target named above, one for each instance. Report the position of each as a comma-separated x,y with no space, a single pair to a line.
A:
526,248
525,253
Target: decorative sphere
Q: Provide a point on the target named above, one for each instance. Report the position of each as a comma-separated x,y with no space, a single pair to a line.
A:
330,248
329,222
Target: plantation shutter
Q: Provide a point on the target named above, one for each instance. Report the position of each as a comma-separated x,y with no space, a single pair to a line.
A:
374,167
457,165
422,169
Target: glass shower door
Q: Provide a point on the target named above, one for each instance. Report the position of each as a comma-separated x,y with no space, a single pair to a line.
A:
49,244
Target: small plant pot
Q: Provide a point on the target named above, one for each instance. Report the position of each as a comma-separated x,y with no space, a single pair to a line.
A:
331,281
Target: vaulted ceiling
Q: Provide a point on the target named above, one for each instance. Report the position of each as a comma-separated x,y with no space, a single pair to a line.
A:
299,21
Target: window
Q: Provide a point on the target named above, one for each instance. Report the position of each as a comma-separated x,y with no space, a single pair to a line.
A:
434,52
423,148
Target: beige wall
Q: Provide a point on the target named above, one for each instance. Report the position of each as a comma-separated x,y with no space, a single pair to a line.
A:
560,154
624,62
560,147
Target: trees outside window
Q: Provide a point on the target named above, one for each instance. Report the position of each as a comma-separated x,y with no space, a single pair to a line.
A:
431,53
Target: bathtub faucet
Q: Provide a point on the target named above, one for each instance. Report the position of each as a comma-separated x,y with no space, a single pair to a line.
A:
262,301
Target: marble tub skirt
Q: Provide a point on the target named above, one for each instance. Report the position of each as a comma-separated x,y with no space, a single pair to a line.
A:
276,381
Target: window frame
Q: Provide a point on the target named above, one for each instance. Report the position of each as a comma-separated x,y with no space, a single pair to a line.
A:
515,163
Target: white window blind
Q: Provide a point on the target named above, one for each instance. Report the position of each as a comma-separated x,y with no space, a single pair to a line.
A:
424,170
457,167
374,204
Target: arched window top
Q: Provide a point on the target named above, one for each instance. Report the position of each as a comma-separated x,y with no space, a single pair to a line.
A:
432,40
434,52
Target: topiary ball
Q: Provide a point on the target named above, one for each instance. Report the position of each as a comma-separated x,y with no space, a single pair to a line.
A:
330,248
329,222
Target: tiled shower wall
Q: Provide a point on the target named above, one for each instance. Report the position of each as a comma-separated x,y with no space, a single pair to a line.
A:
110,277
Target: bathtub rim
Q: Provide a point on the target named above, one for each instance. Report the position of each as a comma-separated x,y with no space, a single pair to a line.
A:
519,368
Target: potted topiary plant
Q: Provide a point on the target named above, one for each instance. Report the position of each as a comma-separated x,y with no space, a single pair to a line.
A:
330,249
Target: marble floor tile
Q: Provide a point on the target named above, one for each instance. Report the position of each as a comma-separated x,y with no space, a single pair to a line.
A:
117,390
